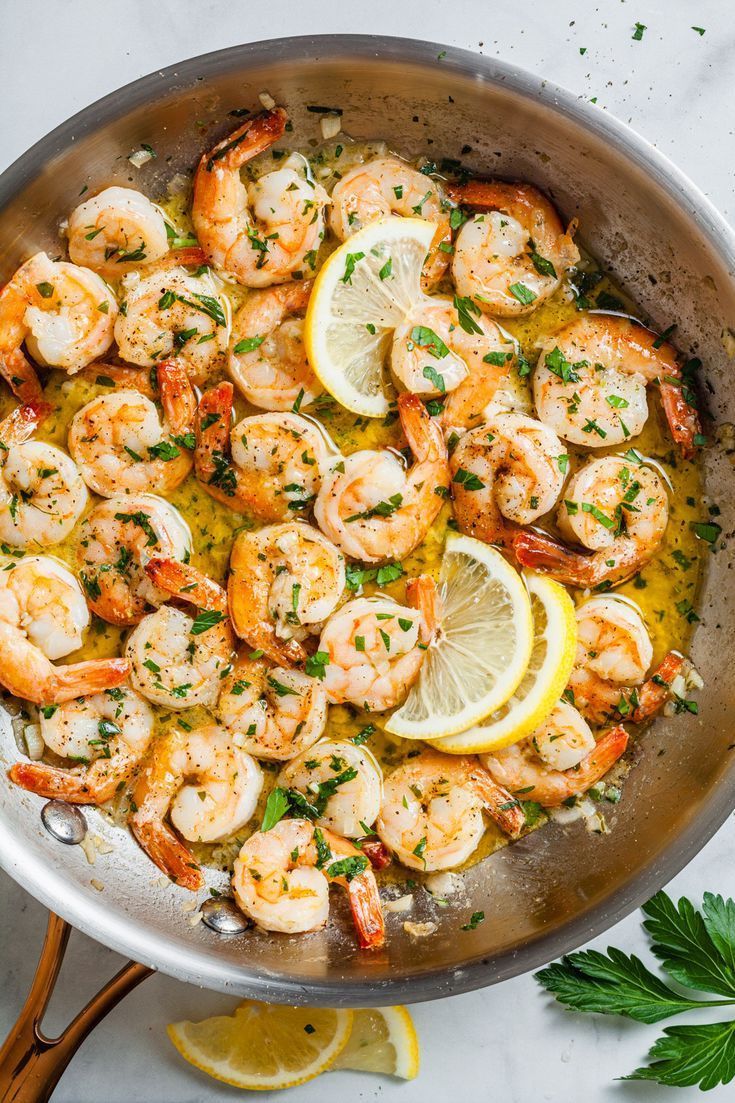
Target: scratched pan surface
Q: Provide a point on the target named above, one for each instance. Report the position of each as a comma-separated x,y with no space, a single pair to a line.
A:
666,244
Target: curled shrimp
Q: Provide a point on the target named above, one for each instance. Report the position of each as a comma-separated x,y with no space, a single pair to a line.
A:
268,464
490,385
206,785
373,649
284,581
116,541
65,315
105,734
614,654
560,760
282,877
177,660
121,445
267,358
435,349
371,506
264,231
591,380
431,816
342,783
511,256
42,493
387,186
42,618
116,230
170,312
617,509
44,598
505,473
274,712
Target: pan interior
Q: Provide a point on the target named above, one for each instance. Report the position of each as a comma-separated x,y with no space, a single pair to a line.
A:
561,885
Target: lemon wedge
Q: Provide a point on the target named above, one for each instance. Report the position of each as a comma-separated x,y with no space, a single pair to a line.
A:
264,1046
552,658
383,1039
363,291
481,649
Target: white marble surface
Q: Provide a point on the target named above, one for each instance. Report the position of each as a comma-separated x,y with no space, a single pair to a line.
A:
676,88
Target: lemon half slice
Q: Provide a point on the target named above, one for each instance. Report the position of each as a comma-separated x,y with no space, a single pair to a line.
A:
552,658
361,294
481,650
264,1046
383,1039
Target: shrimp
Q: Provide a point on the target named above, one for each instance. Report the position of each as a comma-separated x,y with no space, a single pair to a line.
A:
431,816
267,358
372,650
265,231
342,783
386,186
121,445
284,581
490,385
116,230
269,465
435,348
274,712
206,785
115,542
372,507
65,315
43,597
106,735
174,313
615,507
282,877
43,617
559,761
506,473
177,660
42,493
511,257
614,653
591,378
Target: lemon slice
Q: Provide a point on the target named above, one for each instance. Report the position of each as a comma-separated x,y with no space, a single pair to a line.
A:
552,658
361,294
481,649
383,1039
264,1046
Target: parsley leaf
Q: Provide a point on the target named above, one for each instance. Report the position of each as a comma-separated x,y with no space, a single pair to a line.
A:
276,808
697,949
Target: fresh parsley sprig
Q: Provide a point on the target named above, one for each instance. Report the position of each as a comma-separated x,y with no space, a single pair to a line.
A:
697,950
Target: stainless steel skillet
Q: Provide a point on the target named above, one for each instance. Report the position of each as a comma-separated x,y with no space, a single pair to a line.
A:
663,240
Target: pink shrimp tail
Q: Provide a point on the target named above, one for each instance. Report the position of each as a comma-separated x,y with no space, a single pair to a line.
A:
367,914
55,784
254,136
177,395
422,433
81,680
542,553
682,417
610,747
167,851
187,582
656,690
422,594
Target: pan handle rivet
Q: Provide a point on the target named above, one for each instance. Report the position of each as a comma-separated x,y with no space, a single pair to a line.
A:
64,821
221,914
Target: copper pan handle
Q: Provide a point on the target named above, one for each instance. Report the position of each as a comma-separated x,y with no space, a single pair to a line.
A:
31,1064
